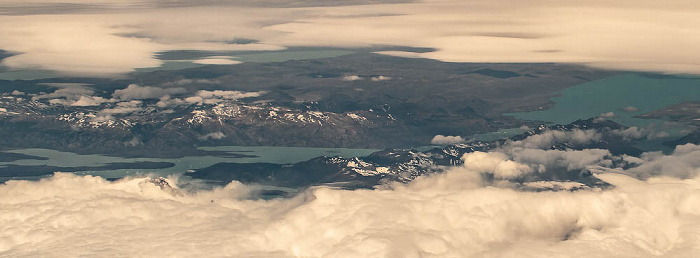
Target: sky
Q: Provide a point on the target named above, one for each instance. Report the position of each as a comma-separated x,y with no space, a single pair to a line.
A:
108,37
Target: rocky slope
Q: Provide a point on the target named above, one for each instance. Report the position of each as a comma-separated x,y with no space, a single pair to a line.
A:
402,165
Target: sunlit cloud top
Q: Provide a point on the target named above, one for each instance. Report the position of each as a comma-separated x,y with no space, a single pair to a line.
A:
105,37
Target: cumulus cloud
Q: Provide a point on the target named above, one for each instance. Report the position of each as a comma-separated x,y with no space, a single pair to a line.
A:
351,78
684,163
450,214
571,160
214,136
72,94
166,102
380,78
607,115
85,101
495,163
70,91
216,96
124,108
186,82
446,140
630,109
551,137
634,133
554,185
134,91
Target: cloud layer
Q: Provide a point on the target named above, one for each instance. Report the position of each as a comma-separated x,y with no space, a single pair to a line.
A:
455,214
638,35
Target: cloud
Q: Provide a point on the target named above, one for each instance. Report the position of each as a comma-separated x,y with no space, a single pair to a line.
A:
216,96
607,115
68,91
576,31
134,91
684,163
186,82
214,135
634,133
351,78
72,94
74,45
95,2
446,140
630,109
551,137
86,101
380,78
450,214
123,108
571,160
495,163
217,60
118,39
166,102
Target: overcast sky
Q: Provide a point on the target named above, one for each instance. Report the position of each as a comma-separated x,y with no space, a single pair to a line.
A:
109,37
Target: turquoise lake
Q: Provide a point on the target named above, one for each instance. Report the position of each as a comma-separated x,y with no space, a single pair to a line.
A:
612,95
278,155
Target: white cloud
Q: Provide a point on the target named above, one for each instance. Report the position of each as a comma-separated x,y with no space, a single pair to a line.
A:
71,94
554,185
186,82
95,2
134,91
68,92
214,135
168,102
446,140
514,31
572,160
351,78
217,60
85,101
452,214
684,163
232,94
216,96
549,138
634,133
656,36
630,109
607,115
73,44
495,163
380,78
124,108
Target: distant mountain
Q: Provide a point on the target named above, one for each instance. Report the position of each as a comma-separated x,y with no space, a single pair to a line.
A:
360,100
693,137
178,130
401,165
